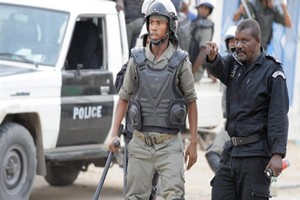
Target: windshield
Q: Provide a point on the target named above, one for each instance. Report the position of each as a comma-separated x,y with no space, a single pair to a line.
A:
33,34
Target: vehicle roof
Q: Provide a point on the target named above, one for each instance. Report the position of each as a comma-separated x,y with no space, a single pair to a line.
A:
72,6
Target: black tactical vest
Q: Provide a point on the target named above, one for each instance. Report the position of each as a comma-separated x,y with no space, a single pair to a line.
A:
157,104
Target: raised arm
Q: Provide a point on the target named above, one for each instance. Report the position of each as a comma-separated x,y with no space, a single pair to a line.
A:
211,51
287,18
238,13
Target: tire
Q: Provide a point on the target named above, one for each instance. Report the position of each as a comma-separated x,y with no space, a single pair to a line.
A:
17,161
61,175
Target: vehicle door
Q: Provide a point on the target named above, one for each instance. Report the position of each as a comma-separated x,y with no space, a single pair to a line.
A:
87,87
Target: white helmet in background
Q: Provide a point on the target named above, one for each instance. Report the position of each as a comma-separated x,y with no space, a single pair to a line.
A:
208,3
230,34
186,1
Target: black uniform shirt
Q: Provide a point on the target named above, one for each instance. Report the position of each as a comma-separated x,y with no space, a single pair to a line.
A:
257,102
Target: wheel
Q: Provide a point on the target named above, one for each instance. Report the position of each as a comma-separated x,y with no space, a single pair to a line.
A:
61,175
17,161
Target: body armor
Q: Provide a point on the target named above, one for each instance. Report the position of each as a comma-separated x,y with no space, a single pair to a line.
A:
157,103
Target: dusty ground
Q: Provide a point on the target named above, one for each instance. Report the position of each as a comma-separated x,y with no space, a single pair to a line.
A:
197,182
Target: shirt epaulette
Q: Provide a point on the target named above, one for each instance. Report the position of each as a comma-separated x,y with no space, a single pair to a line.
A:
272,58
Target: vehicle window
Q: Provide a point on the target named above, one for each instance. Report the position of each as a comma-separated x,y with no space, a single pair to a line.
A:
86,48
31,33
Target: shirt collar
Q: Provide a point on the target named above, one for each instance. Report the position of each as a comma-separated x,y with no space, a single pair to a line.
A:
167,54
258,60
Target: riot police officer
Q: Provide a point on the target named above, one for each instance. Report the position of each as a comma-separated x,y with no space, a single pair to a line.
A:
157,93
202,30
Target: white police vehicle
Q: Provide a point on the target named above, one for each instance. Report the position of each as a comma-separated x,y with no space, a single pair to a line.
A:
57,66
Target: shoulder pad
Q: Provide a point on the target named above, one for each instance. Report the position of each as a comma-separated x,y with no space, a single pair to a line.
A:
138,54
278,73
177,58
272,58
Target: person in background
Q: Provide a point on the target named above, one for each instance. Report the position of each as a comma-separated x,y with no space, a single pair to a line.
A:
265,12
213,153
185,8
157,94
202,31
183,28
133,17
257,116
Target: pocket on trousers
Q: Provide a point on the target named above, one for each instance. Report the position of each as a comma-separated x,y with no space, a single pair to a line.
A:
260,191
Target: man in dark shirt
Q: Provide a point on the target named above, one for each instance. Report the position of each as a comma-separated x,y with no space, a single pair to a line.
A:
257,121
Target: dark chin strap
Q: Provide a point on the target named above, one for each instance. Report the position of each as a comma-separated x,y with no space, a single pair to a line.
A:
160,41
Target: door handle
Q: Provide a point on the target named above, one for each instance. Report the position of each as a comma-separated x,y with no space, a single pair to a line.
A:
104,90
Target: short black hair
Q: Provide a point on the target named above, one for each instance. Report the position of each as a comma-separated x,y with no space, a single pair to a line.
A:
251,24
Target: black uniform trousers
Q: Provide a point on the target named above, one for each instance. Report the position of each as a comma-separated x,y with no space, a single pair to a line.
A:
241,178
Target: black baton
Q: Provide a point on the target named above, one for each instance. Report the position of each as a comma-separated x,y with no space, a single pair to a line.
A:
107,164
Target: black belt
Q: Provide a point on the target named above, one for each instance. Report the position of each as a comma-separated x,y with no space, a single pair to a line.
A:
238,141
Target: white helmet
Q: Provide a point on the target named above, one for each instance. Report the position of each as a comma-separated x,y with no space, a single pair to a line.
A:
167,9
209,3
186,1
230,33
168,4
145,6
